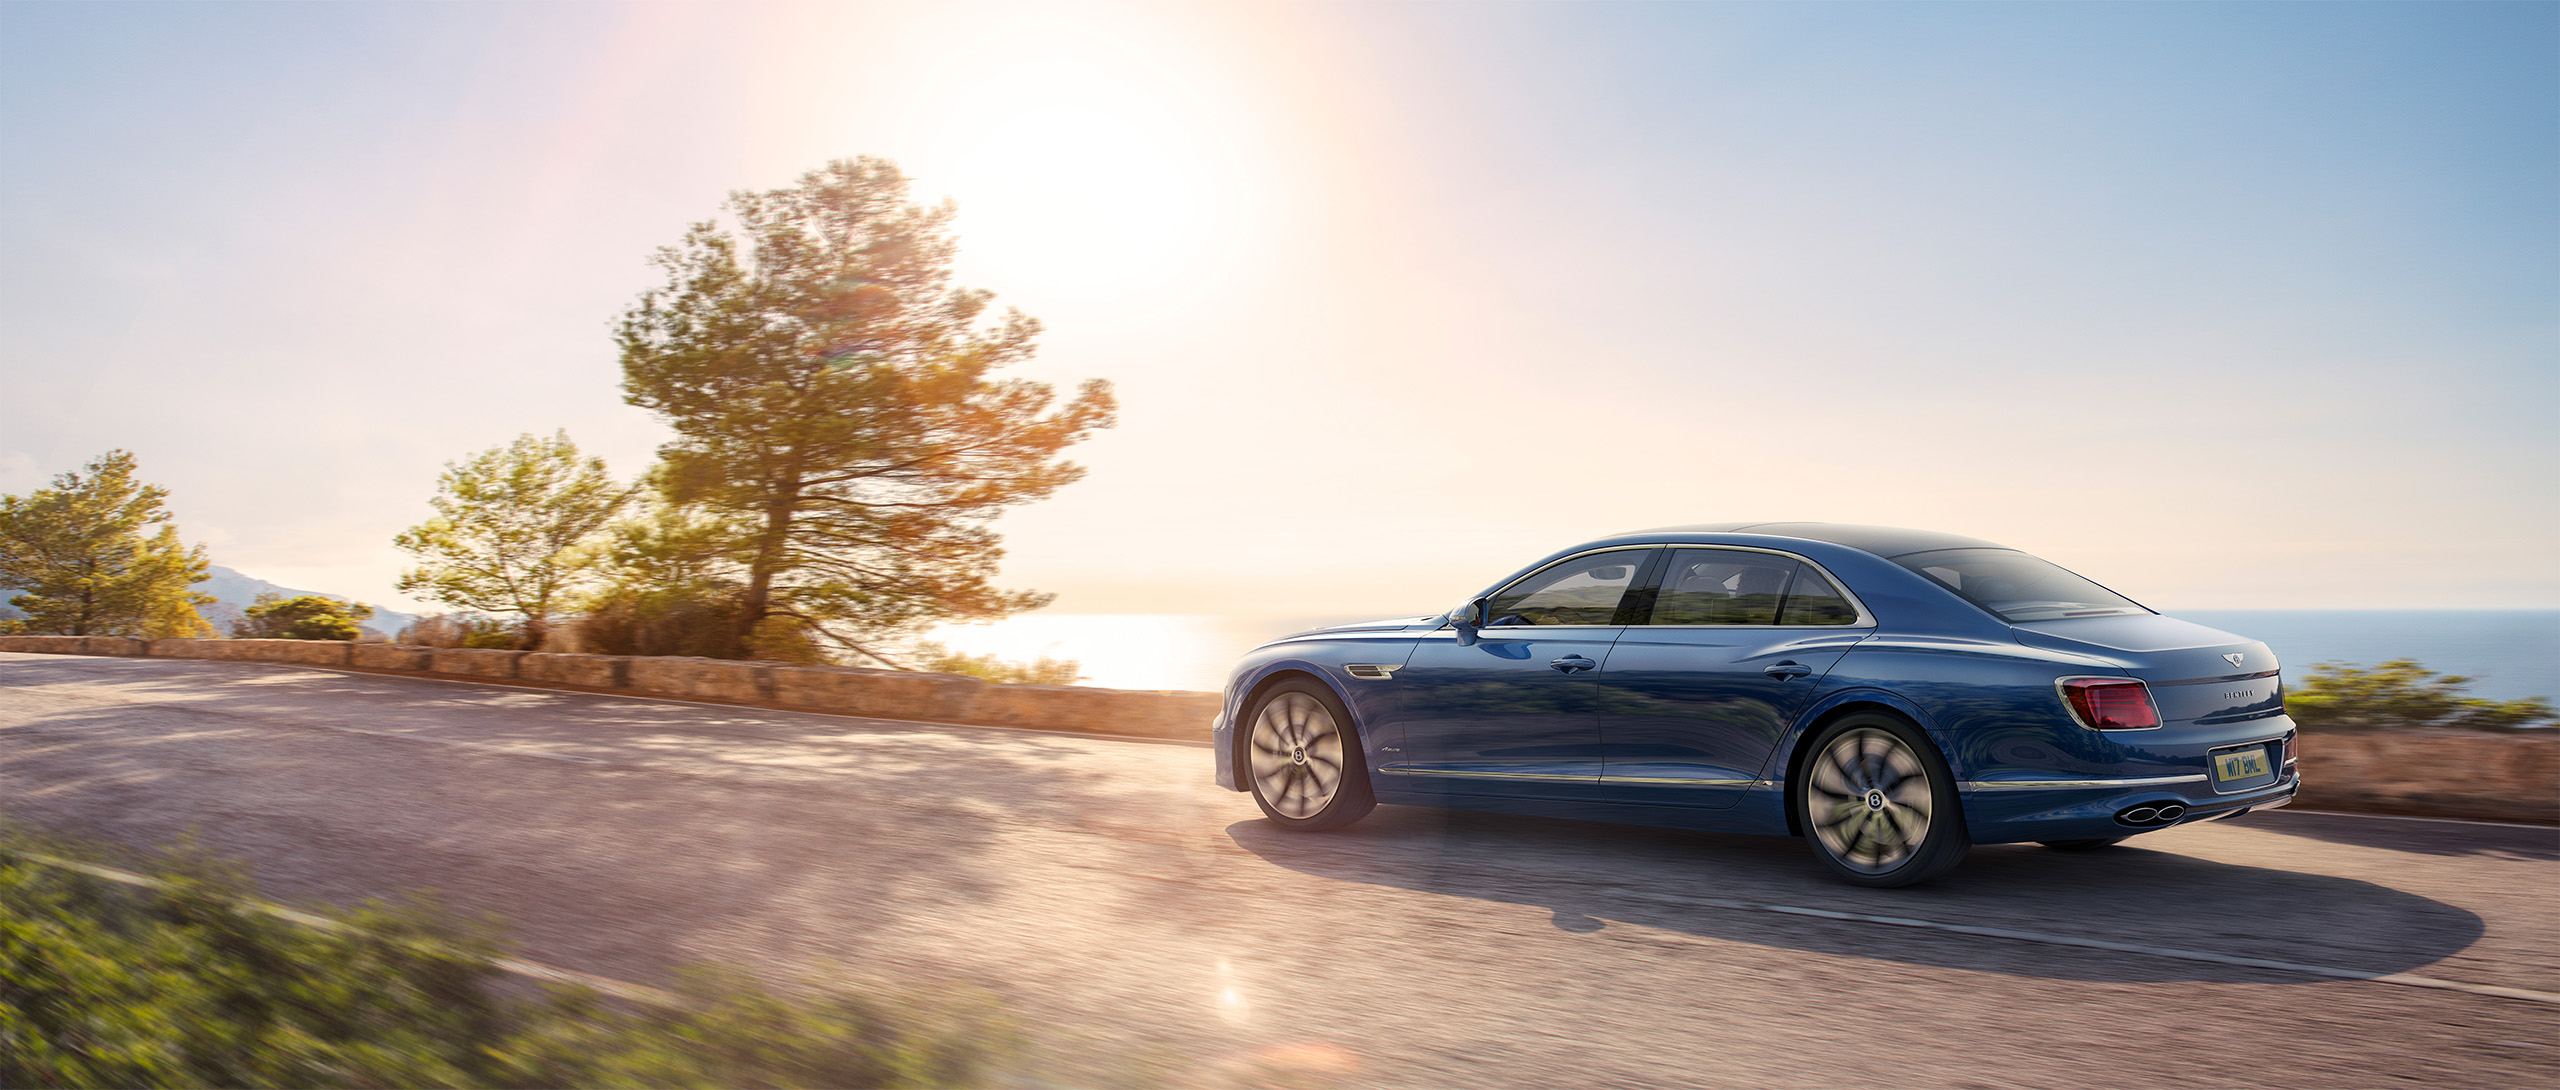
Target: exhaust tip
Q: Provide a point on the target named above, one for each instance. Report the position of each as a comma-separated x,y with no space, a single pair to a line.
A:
2151,815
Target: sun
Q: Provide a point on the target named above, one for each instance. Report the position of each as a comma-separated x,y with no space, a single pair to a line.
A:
1092,157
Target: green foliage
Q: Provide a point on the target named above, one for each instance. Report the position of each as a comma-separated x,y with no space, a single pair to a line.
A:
1040,671
105,985
87,561
670,585
726,1031
308,617
515,530
2399,694
187,983
835,410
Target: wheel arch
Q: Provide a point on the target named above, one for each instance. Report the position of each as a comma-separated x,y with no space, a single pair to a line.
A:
1264,684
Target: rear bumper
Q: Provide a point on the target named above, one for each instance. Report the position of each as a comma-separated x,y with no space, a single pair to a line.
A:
1999,816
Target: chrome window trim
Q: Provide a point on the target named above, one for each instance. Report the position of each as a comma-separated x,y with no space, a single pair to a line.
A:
2040,785
2065,697
1865,618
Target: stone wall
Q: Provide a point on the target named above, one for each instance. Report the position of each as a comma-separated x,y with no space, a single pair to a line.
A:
886,694
2434,773
2467,774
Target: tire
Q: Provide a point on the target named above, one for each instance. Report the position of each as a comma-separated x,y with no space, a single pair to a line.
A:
2091,844
1302,759
1878,804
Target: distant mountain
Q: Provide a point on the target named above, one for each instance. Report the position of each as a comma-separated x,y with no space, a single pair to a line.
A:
234,592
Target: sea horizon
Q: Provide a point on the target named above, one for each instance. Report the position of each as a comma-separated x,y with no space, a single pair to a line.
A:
2510,653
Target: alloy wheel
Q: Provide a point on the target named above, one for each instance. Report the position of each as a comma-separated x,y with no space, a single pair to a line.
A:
1868,801
1297,760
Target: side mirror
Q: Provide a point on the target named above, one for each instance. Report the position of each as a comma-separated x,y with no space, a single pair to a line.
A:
1466,619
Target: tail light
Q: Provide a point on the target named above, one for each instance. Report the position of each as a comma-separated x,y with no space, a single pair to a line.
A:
2109,703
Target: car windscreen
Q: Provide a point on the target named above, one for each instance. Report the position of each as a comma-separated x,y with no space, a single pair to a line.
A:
2016,586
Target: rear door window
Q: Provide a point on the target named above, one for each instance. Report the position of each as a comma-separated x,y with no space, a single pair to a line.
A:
1732,587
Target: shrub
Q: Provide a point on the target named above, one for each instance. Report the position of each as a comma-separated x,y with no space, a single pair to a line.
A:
307,617
186,982
2400,694
463,630
1039,671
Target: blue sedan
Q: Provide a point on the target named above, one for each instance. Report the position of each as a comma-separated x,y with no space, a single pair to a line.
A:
1892,696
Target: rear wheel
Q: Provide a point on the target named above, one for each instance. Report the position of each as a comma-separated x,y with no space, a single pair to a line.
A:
1878,804
2089,844
1303,761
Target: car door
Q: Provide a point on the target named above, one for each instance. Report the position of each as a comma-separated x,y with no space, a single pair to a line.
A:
1511,709
1695,698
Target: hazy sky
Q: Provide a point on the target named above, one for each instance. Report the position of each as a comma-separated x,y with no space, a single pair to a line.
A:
2225,305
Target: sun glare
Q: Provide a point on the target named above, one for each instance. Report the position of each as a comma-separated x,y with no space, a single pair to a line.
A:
1092,155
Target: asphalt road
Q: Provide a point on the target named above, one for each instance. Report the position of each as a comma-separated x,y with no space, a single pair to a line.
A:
1110,892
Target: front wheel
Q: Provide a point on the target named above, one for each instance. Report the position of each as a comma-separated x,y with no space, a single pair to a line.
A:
1879,805
1304,761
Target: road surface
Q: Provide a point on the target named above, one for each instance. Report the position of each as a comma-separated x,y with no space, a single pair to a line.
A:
1108,891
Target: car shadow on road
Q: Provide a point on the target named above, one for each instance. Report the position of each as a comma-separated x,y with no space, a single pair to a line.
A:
1597,877
2525,842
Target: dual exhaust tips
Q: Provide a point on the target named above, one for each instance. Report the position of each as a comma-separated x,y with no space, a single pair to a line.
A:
2152,814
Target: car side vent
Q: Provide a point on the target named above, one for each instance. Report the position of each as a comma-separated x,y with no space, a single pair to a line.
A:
1372,671
2152,815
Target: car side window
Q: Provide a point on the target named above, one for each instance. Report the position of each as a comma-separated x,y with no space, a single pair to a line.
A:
1583,590
1727,587
1811,599
1713,586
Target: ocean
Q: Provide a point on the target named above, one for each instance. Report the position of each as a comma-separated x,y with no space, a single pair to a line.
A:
2509,653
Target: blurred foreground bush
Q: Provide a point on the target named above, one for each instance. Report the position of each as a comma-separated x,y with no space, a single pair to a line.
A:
2401,694
1040,671
103,984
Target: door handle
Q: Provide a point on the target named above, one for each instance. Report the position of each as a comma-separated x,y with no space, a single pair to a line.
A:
1572,663
1786,670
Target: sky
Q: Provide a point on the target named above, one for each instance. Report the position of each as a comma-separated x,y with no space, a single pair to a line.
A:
2228,306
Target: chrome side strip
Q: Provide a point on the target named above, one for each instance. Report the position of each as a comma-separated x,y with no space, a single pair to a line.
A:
1683,781
2045,785
1410,771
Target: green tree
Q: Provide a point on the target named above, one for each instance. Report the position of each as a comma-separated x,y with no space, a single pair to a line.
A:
308,617
87,561
2401,693
672,582
833,393
515,530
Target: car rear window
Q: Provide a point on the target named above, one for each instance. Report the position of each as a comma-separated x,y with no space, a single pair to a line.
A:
2016,586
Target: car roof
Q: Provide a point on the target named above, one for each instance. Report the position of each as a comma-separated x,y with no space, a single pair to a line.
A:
1886,541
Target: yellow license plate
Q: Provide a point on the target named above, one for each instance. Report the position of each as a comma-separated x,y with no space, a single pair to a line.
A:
2240,765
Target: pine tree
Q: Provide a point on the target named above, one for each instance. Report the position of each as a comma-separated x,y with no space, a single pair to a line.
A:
87,561
832,392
